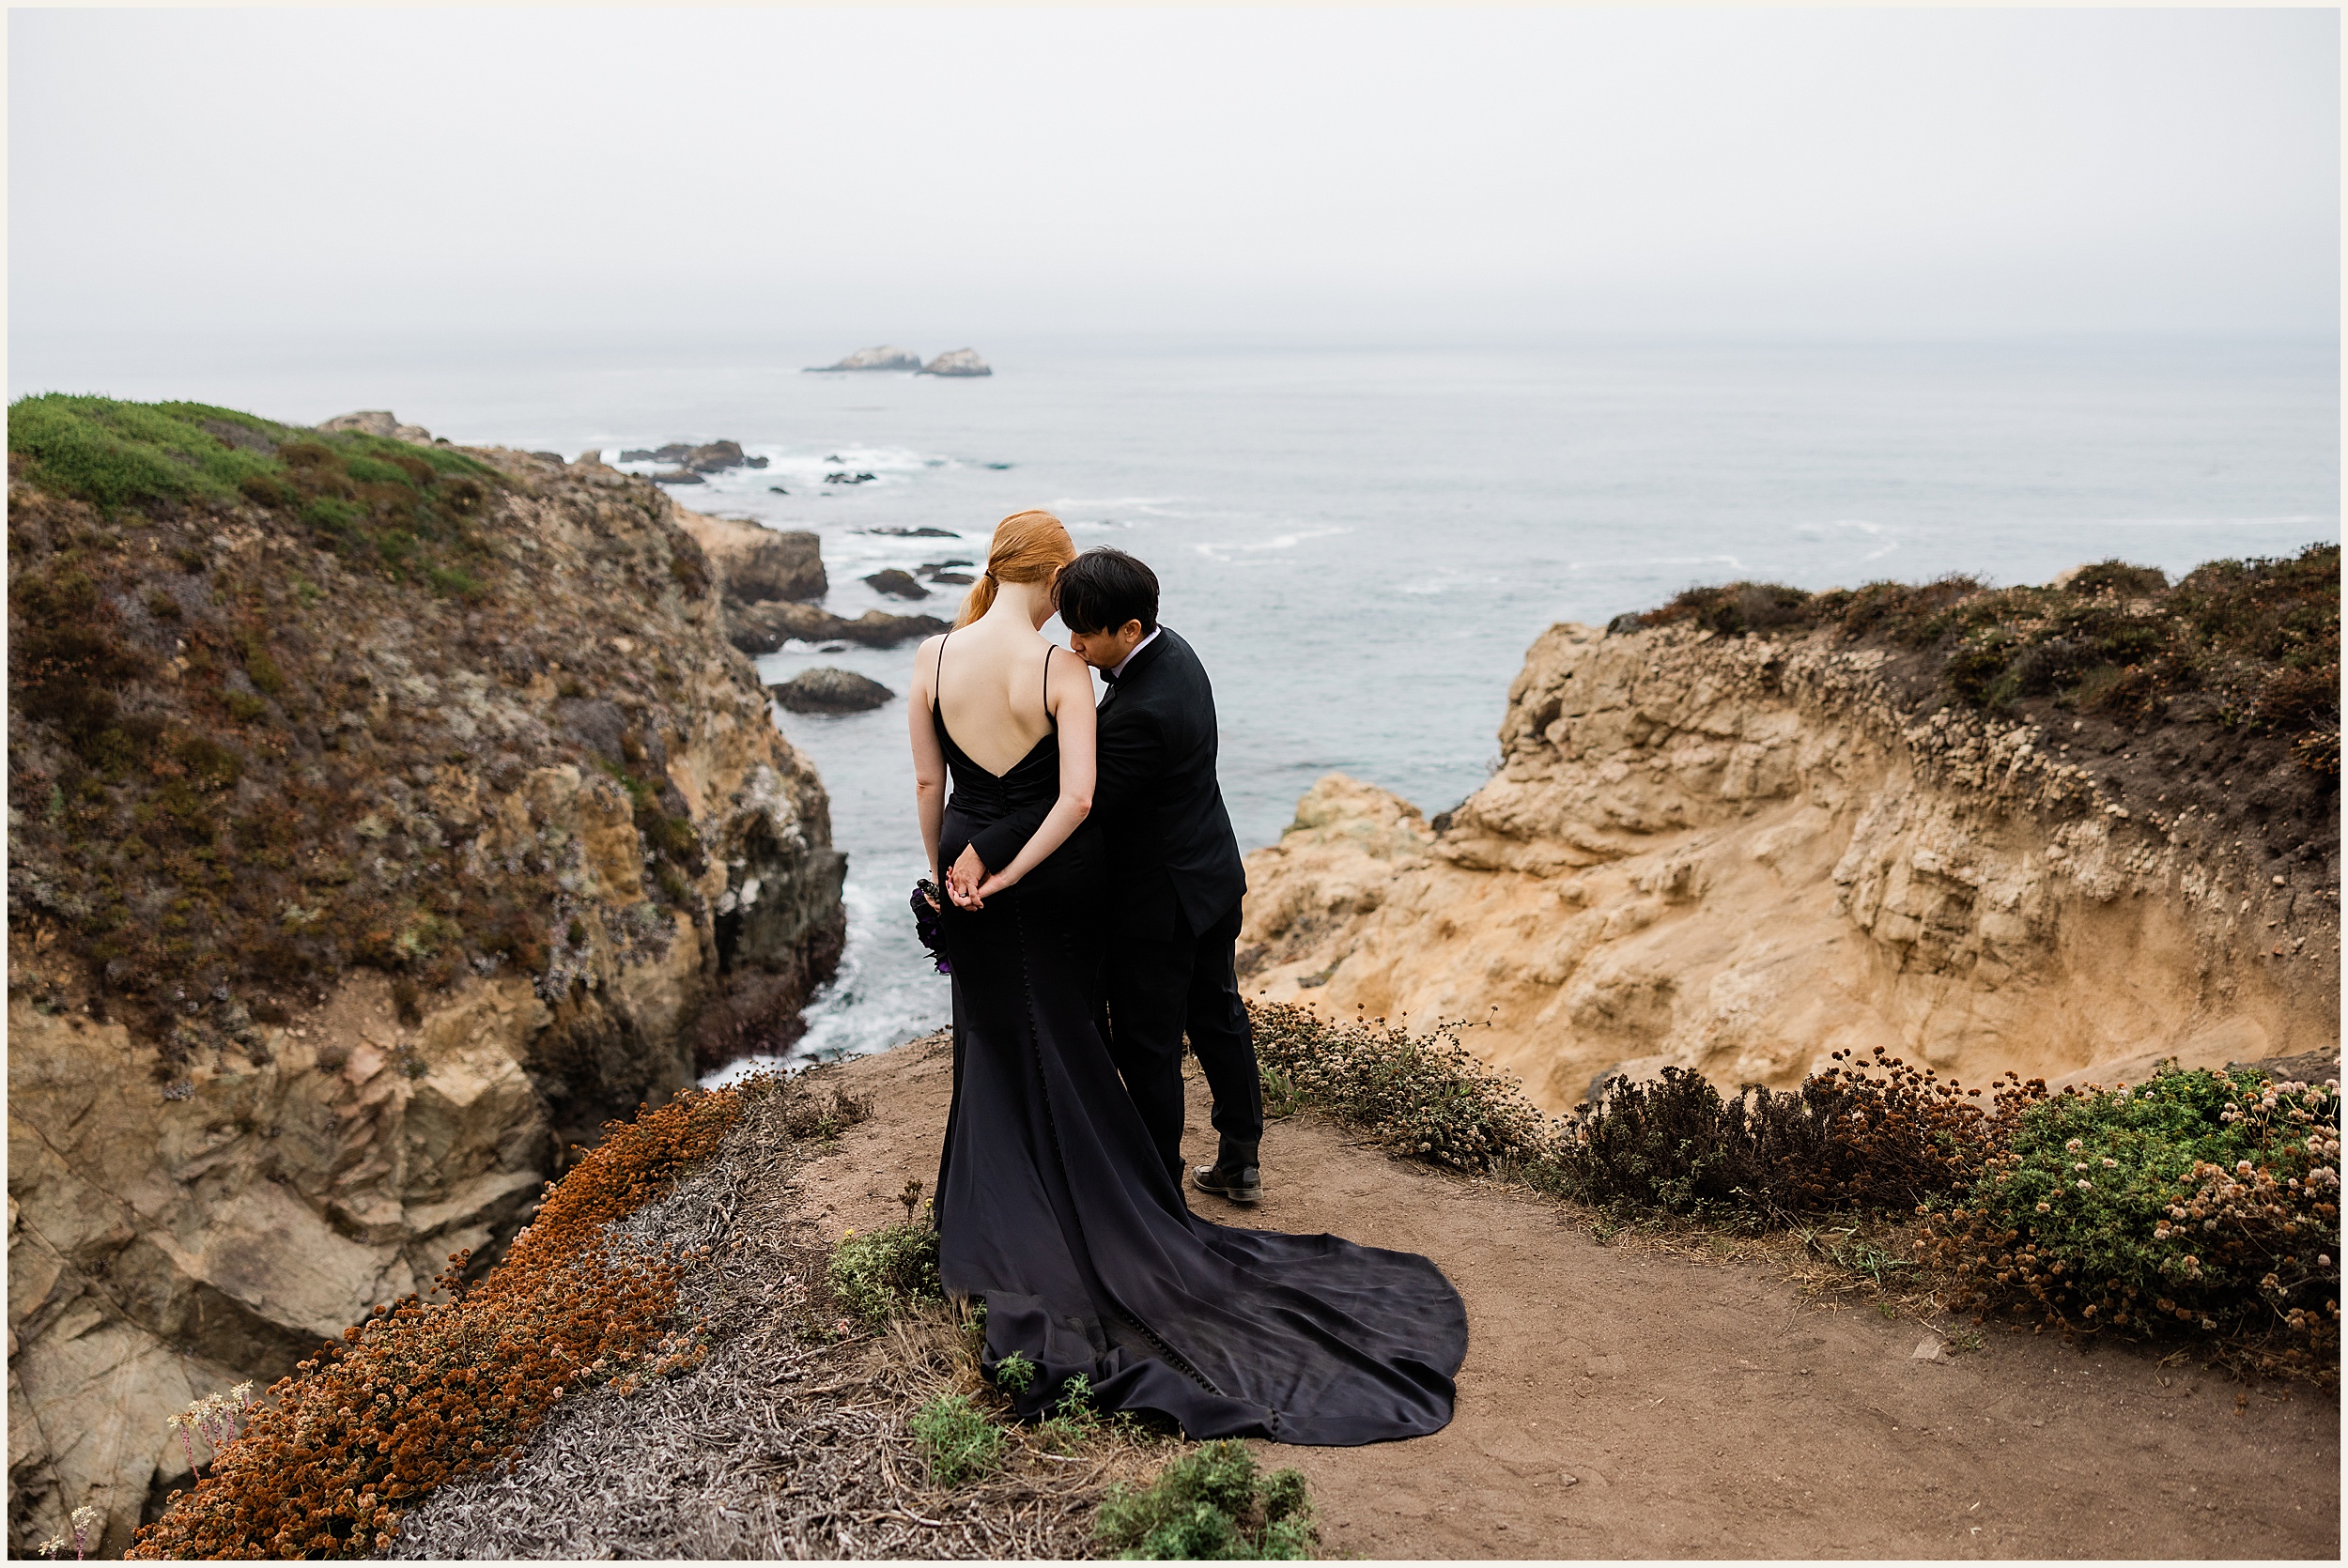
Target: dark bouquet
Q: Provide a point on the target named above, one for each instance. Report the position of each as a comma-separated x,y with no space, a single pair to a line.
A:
927,900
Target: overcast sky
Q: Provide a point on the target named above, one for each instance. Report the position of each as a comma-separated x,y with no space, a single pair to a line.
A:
892,173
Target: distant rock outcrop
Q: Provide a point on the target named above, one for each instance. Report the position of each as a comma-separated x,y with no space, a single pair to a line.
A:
763,628
379,421
831,691
885,357
693,461
958,362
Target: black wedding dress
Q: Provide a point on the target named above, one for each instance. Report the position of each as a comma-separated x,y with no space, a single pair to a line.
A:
1054,1205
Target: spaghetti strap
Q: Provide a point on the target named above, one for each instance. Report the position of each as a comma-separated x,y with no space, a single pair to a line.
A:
1047,687
938,677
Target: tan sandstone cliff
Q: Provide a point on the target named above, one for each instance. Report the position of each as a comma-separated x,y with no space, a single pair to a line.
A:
189,1212
1740,854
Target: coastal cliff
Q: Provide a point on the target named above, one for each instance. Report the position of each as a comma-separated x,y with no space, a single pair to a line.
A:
384,817
1739,842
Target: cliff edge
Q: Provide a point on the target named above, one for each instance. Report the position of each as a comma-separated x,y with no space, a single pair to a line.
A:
383,818
1760,826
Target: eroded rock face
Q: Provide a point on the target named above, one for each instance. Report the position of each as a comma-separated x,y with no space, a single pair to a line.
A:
755,564
168,1238
1741,855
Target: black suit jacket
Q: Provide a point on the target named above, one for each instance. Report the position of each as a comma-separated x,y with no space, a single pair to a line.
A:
1172,854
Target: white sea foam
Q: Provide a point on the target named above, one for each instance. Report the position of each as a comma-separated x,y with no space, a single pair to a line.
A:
1225,549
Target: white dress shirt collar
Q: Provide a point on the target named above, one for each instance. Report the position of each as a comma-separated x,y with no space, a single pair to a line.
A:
1120,671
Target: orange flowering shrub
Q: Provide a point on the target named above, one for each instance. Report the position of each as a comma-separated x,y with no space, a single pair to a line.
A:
423,1392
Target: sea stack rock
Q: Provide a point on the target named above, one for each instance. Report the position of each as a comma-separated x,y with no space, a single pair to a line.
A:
831,691
379,421
899,584
958,362
885,357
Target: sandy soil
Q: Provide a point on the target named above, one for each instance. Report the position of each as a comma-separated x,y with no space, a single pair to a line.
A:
1628,1403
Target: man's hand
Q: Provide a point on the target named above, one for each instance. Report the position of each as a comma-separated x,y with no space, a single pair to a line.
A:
962,879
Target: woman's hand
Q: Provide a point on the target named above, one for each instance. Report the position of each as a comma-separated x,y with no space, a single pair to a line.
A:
994,885
962,879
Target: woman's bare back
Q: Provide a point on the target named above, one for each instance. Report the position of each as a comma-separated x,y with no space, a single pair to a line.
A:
989,681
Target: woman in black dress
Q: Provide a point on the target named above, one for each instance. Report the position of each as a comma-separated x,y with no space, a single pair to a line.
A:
1051,1201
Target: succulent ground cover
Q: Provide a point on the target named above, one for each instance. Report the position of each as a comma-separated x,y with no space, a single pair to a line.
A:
261,680
2203,1205
427,1391
2197,1207
1213,1503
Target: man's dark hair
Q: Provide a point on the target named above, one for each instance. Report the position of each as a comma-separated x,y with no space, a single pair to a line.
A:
1102,590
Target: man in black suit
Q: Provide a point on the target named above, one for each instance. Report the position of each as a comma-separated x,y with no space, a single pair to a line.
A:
1175,866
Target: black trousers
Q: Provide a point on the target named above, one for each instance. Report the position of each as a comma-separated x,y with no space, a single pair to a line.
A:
1158,991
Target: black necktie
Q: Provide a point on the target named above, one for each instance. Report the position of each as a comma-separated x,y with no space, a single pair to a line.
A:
1109,675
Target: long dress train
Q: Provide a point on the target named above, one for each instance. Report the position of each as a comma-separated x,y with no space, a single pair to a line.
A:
1054,1206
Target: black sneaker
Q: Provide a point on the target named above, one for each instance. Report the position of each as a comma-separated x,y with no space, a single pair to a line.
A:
1233,1175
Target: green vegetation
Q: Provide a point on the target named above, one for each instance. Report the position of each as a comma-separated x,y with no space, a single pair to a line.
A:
113,454
2256,641
383,503
116,454
957,1440
2205,1202
1425,1096
1211,1505
2197,1204
881,1273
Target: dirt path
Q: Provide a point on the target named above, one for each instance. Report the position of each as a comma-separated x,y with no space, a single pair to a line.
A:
1704,1409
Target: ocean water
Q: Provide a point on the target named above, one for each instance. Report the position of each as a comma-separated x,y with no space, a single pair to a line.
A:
1362,541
